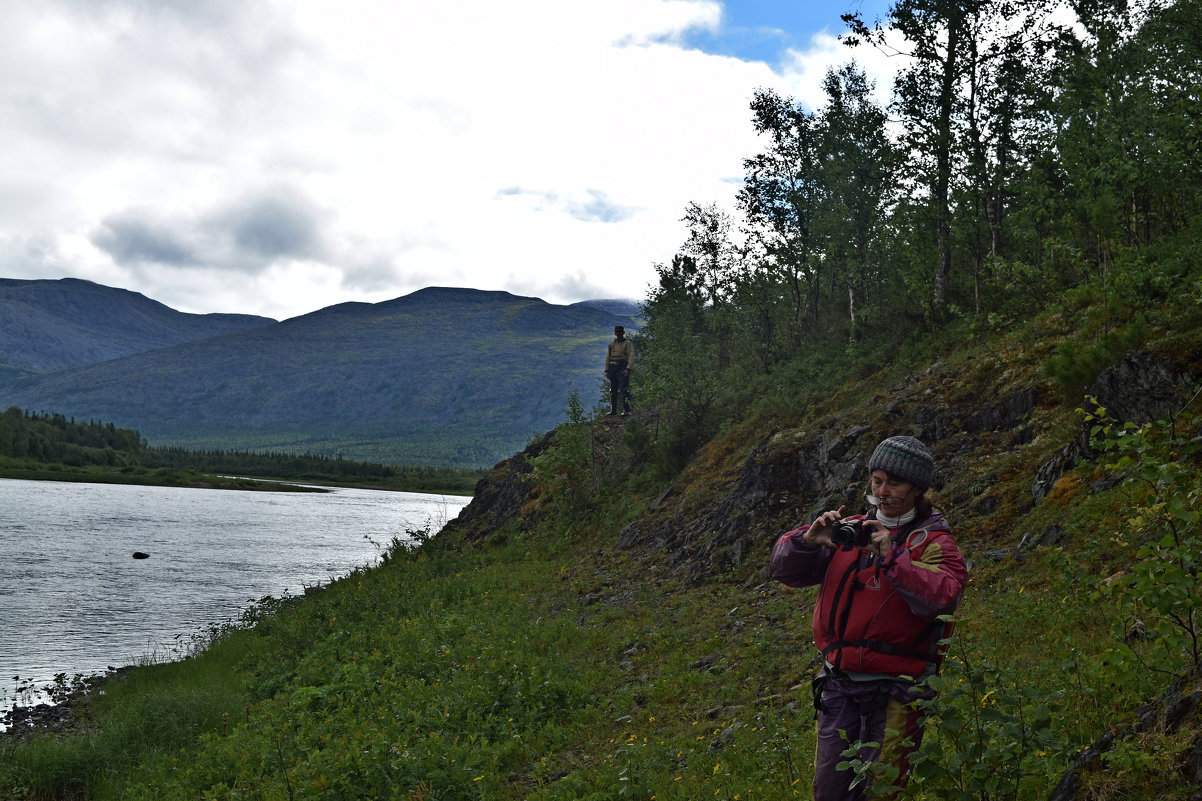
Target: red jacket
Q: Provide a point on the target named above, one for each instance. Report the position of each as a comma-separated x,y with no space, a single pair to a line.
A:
879,618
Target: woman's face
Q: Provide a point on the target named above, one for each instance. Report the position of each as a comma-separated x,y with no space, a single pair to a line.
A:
896,495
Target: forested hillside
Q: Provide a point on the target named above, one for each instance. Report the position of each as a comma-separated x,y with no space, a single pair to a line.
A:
54,438
52,446
1011,271
446,377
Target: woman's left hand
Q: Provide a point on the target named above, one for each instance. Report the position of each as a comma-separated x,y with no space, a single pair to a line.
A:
882,540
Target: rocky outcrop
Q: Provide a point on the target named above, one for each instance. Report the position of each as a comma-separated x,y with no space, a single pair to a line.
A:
939,421
1060,463
784,482
714,518
500,496
507,495
1178,712
1141,388
791,476
774,488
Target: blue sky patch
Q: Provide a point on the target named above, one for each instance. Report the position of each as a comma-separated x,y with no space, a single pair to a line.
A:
762,30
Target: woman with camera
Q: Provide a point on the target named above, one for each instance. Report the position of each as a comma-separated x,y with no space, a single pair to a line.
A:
886,578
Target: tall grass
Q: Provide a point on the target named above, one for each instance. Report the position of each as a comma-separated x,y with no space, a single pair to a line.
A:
152,710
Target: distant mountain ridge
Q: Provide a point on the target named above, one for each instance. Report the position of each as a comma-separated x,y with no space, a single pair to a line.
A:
456,377
48,325
614,305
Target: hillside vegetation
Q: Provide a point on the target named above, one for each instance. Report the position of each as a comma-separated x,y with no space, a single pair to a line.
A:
1018,282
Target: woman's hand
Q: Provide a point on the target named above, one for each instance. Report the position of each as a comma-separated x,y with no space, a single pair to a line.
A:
819,532
882,541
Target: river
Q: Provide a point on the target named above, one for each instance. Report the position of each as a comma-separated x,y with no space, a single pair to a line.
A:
73,599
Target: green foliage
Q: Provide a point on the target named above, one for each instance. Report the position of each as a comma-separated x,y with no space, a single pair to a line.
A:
1036,158
310,467
1158,597
148,713
989,735
54,438
427,690
1079,361
566,472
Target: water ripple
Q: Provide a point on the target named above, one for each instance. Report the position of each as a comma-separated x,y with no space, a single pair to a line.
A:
73,600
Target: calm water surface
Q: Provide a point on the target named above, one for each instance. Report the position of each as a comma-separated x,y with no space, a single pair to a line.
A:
73,600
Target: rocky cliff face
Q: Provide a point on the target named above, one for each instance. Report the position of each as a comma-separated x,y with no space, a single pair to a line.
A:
500,496
724,511
792,474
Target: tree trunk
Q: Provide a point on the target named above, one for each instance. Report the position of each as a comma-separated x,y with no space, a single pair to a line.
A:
943,166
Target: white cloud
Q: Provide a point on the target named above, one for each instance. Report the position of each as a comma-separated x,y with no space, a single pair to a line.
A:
805,70
277,156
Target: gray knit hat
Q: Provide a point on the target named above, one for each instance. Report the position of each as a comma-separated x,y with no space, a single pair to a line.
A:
904,457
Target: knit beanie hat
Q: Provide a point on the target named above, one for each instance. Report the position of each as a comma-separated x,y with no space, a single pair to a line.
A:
904,457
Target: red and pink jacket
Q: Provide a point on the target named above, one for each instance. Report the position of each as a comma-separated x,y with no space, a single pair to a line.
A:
874,617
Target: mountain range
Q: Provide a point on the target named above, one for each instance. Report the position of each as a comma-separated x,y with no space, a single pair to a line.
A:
48,325
447,377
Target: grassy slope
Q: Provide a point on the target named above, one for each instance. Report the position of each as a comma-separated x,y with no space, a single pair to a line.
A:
552,665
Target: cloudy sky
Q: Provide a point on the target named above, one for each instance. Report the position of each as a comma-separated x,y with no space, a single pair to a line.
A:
277,156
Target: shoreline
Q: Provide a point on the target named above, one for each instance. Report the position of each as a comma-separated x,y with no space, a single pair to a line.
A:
190,480
63,711
183,479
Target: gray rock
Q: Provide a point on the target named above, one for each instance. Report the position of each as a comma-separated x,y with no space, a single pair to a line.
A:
1141,388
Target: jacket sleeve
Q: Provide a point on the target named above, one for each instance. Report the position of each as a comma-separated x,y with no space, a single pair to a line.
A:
796,564
934,583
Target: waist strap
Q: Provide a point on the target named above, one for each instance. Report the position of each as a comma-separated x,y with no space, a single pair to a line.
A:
880,647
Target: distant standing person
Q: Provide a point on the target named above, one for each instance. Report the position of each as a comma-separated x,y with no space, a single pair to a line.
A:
619,358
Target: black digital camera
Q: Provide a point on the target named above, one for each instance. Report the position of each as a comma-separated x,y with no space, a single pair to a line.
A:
848,534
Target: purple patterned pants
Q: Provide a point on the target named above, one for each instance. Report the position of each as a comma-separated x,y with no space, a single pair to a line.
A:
863,710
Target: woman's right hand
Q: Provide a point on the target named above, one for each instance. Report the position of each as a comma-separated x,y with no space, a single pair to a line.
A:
819,532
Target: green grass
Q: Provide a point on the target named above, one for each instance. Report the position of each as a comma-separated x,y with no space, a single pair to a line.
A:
143,714
520,671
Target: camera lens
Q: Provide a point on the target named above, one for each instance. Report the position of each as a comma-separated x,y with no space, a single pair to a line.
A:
846,534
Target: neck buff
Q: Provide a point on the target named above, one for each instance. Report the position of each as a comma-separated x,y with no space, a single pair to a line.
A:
890,522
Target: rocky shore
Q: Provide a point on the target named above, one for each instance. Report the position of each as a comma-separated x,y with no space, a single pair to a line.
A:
65,709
